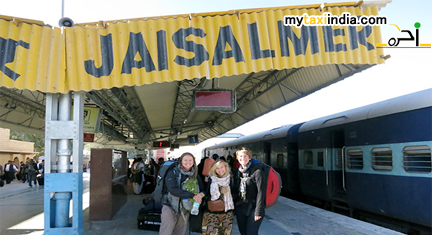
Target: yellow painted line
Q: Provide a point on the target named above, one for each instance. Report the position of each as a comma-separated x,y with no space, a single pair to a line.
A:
425,45
381,45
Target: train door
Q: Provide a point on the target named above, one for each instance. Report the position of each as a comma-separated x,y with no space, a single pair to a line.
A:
338,165
267,152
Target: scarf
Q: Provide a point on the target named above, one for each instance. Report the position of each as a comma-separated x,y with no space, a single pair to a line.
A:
215,193
176,206
244,178
185,172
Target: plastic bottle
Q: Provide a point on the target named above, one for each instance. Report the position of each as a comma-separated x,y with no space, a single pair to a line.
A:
186,203
195,208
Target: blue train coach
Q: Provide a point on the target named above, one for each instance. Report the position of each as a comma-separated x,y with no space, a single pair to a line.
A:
277,147
376,158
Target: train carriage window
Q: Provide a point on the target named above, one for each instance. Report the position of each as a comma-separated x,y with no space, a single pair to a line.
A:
355,159
308,158
382,159
417,159
280,160
321,159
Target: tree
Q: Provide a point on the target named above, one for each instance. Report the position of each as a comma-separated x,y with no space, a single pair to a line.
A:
38,140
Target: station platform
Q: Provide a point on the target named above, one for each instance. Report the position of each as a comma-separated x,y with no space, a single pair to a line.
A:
288,217
21,212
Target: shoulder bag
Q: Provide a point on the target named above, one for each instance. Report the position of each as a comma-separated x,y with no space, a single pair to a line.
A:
216,206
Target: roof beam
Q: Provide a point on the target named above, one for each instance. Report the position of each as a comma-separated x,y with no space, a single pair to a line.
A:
183,104
251,89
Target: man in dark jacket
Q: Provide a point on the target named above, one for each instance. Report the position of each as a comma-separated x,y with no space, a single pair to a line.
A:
10,170
22,172
32,172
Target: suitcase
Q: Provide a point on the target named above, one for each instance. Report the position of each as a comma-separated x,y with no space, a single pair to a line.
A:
149,217
40,180
149,220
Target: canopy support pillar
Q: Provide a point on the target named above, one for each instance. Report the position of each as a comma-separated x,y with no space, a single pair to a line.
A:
63,180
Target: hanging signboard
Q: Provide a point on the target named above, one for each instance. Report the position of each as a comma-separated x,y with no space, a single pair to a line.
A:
214,99
91,120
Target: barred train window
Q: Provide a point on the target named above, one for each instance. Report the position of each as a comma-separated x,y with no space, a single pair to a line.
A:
321,159
355,159
308,158
382,159
417,159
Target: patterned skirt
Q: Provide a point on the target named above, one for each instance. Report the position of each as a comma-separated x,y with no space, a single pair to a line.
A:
217,223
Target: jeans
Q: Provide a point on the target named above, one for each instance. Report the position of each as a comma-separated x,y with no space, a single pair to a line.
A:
246,223
31,176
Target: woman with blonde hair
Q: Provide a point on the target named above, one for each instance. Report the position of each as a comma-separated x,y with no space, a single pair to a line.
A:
219,211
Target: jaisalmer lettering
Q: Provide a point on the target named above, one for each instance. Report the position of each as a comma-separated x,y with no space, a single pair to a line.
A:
227,46
7,55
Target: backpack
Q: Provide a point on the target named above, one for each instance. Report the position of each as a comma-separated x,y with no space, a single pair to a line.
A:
190,185
273,183
31,168
207,165
160,190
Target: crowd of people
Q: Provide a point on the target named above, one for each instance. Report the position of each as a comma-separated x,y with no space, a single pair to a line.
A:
142,174
224,188
229,187
25,172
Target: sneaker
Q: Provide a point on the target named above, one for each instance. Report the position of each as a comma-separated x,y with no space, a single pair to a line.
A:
30,186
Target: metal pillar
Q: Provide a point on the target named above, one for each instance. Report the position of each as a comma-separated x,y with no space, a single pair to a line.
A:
63,182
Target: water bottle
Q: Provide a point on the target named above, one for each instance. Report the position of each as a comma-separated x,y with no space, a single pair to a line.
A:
195,208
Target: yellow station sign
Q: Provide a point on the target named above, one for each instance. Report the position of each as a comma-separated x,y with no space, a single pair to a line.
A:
31,56
165,49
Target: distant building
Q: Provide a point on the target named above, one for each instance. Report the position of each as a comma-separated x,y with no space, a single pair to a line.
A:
13,149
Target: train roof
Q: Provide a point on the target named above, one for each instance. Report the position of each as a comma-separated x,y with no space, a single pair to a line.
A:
275,133
404,103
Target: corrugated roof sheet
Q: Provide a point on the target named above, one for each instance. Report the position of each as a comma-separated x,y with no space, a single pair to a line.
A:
31,56
163,49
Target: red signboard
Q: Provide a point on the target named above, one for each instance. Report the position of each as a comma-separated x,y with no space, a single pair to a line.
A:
88,137
161,144
214,100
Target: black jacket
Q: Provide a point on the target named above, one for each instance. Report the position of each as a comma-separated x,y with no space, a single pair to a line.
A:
255,190
172,184
208,195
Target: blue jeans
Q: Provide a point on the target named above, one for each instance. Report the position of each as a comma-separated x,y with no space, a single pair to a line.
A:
31,176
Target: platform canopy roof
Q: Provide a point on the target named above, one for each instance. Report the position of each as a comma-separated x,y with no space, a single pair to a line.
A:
141,73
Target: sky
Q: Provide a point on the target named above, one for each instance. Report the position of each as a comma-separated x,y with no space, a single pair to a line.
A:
407,71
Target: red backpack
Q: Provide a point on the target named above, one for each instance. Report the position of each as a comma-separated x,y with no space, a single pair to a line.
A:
273,183
207,165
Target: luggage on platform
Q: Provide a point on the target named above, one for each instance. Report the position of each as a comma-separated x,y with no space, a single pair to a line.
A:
40,180
149,217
